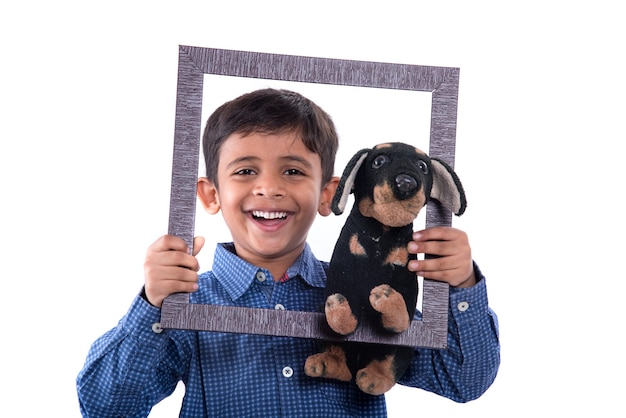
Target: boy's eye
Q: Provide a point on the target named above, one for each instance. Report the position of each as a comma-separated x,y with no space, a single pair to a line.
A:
245,172
293,172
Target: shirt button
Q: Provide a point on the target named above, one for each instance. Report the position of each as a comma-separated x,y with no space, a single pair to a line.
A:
279,307
287,371
260,276
156,328
462,306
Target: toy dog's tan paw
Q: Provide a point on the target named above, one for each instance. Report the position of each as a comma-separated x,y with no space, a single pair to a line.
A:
330,364
377,377
339,315
391,305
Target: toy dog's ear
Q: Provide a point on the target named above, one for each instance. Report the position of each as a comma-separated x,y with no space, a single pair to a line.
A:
447,187
346,183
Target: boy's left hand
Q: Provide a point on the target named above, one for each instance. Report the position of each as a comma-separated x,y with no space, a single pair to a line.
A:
453,262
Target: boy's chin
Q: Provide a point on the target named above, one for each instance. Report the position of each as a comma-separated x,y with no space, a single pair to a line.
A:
272,249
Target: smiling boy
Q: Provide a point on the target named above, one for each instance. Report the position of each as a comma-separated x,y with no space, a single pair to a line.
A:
274,190
270,157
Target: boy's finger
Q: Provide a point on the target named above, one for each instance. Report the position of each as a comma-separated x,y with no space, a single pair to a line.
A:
156,295
437,233
433,248
169,243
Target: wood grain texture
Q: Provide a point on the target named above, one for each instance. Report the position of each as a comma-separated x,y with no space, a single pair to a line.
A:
186,153
194,62
234,319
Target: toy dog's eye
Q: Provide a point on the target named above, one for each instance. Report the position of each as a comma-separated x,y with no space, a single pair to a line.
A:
423,166
380,161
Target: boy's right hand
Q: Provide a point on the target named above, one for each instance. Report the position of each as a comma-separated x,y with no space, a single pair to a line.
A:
169,268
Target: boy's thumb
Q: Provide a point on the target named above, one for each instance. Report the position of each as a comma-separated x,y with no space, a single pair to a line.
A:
198,243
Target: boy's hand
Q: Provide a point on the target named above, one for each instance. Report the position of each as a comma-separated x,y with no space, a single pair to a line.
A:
453,262
169,268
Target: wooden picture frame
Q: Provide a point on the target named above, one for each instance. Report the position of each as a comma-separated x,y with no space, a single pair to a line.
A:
194,62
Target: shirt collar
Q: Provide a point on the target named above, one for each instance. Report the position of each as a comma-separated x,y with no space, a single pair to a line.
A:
236,275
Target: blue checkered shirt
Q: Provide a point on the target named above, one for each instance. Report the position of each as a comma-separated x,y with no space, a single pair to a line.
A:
131,368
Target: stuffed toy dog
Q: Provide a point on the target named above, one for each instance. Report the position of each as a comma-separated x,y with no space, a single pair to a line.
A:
368,276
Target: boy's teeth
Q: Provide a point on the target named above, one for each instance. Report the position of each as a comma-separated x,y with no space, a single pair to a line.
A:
269,215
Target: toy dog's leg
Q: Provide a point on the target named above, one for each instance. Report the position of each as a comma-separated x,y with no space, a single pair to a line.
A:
339,315
392,306
377,377
330,364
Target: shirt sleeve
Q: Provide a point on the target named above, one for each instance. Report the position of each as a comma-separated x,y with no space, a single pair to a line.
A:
131,367
466,369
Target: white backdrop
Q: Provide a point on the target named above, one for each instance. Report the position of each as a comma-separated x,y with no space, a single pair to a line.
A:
87,100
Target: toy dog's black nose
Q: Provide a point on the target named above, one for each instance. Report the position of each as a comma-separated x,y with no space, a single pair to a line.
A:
405,185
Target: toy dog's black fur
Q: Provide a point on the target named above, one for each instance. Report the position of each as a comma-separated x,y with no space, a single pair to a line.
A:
368,276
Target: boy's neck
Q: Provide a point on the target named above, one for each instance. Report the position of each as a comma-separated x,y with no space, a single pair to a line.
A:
278,269
276,266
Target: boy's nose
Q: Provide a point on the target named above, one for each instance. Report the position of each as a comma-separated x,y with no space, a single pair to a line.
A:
269,188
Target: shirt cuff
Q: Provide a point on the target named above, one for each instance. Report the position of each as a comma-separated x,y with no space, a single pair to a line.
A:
470,303
142,321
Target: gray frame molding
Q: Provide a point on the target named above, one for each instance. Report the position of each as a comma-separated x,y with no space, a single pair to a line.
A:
194,62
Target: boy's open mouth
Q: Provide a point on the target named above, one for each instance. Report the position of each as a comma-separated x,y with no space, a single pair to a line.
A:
269,216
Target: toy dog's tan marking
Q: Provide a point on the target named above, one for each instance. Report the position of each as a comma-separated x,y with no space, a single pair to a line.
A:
392,307
339,315
390,211
383,194
398,257
330,363
377,377
355,247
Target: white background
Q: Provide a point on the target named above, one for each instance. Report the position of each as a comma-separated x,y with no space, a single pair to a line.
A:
87,101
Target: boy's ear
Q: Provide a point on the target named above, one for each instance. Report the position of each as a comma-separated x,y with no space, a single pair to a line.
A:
327,196
207,193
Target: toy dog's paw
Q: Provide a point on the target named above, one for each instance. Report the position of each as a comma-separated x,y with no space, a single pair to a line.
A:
377,377
330,364
339,315
391,305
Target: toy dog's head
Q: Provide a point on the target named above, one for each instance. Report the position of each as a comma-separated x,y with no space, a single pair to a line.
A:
392,182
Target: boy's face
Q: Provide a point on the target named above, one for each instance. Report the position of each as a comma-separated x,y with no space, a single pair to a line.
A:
270,190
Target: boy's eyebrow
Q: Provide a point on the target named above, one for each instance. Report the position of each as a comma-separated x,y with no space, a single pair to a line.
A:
240,160
286,158
298,159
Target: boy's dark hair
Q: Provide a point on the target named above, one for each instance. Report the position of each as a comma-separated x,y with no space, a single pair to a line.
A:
271,111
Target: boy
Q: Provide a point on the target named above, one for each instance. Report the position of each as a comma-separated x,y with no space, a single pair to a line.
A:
270,158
